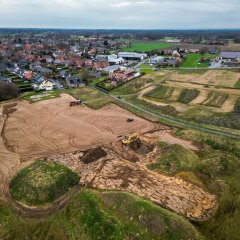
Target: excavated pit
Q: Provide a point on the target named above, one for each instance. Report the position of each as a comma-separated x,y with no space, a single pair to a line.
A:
93,155
140,147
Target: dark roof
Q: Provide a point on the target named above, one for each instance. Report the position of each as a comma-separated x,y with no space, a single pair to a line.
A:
230,55
3,66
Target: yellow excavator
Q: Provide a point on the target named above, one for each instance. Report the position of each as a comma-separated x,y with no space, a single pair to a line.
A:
128,139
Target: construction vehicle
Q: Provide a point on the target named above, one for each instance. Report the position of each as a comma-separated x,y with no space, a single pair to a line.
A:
128,139
77,102
130,120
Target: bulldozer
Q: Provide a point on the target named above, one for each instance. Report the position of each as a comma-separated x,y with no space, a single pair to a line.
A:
128,139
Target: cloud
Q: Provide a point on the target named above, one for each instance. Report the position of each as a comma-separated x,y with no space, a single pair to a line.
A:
134,14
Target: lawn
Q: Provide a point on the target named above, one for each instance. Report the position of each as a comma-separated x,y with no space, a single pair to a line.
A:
191,61
33,97
147,46
42,182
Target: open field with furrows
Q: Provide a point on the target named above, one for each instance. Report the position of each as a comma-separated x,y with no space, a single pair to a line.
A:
184,96
221,78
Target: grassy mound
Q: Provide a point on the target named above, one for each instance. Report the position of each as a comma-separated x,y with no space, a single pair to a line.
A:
175,158
161,92
42,183
218,169
96,215
187,95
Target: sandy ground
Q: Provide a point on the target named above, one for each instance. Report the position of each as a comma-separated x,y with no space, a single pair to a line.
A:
51,127
212,77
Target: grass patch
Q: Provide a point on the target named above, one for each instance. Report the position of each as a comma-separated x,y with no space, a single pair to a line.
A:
188,95
166,110
33,97
191,61
94,215
132,87
237,85
175,158
161,92
42,183
192,71
147,46
92,98
215,99
146,71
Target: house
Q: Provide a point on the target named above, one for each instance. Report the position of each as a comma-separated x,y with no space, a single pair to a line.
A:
230,55
122,75
132,56
100,65
42,83
43,70
3,67
193,50
28,75
74,81
115,60
94,74
156,60
171,62
47,85
212,51
63,74
112,68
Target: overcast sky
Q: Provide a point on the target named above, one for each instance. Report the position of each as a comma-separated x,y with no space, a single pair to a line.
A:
120,14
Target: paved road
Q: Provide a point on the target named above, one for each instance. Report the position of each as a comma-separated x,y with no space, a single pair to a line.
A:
170,120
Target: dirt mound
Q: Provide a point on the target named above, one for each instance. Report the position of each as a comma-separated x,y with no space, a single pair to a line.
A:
93,155
140,147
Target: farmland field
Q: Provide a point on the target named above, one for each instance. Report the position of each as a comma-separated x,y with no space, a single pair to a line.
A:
147,46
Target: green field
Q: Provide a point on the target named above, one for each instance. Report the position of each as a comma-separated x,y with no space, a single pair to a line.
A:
42,183
147,46
95,215
92,98
161,92
191,61
188,95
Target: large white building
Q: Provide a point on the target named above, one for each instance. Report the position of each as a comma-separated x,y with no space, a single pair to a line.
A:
132,56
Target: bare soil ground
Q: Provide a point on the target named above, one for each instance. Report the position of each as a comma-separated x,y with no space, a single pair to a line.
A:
212,77
116,173
51,129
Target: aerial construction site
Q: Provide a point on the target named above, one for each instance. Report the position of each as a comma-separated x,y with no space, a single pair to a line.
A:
109,149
